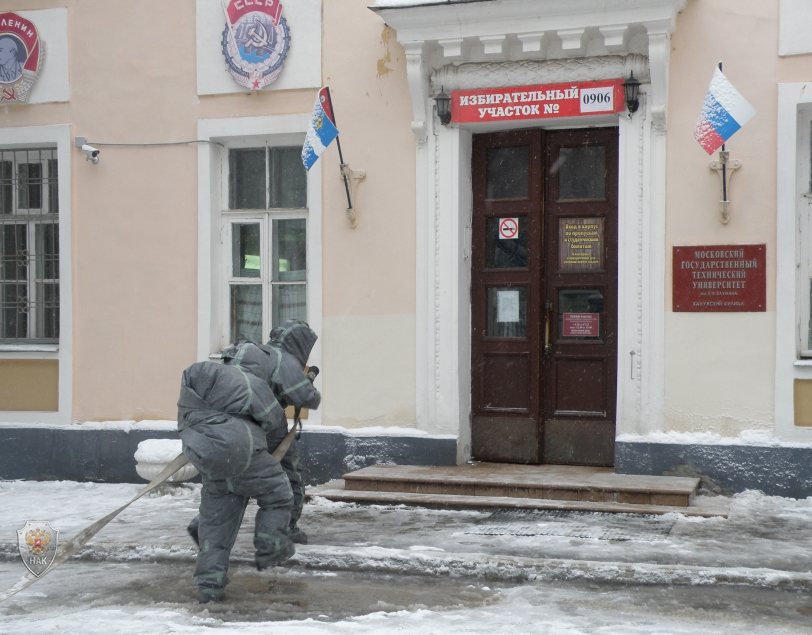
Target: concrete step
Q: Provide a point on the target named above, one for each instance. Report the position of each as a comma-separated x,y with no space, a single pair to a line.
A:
706,507
541,482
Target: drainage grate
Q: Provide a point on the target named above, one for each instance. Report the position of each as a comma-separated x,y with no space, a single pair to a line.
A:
573,524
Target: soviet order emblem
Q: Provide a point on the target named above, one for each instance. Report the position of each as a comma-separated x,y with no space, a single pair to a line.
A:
256,41
21,53
37,542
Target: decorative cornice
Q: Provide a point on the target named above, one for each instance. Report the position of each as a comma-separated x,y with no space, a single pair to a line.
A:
528,72
478,36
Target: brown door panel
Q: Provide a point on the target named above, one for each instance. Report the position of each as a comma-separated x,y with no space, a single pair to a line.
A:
580,387
579,375
579,442
505,352
505,439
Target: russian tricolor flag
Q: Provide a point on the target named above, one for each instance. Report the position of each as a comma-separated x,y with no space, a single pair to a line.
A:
723,113
321,132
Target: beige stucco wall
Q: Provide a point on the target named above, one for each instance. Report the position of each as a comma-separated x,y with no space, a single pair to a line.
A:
135,213
719,368
369,272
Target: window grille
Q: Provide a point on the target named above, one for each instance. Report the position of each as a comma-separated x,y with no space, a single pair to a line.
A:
29,246
267,228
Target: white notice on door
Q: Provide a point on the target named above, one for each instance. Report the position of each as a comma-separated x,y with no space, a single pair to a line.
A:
507,305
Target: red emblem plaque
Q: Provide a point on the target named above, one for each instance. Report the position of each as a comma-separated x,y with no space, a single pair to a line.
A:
21,53
720,278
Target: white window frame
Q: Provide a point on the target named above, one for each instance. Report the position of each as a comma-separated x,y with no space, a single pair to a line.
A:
792,253
265,220
803,237
48,137
214,247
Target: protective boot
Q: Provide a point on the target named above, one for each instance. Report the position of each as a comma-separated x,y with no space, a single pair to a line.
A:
208,594
266,562
296,535
192,530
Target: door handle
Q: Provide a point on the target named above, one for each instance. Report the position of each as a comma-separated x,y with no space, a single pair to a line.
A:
548,308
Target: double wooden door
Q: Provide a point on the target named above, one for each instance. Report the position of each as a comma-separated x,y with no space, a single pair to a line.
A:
544,296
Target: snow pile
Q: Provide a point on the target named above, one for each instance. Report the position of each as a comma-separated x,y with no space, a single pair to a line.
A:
746,437
158,450
126,426
378,431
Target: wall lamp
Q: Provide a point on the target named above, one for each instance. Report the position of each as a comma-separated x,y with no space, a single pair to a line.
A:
443,102
631,87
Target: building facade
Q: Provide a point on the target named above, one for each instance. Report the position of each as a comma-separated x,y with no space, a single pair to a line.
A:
545,278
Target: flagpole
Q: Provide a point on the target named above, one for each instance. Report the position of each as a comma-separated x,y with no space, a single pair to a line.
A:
724,163
340,155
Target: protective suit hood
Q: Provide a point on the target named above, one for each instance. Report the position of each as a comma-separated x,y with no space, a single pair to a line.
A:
259,360
296,338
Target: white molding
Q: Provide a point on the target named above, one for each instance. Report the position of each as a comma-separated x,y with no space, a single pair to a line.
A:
273,130
527,72
659,54
417,78
794,26
652,294
615,37
61,136
460,20
792,98
435,33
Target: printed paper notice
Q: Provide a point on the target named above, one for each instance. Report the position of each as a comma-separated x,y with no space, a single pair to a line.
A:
507,306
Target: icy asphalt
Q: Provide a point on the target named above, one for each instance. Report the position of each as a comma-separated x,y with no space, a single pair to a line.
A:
381,568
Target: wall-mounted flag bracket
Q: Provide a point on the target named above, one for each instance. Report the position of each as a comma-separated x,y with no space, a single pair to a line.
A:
320,134
725,166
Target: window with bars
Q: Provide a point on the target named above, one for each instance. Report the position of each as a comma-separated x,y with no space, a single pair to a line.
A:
29,246
266,232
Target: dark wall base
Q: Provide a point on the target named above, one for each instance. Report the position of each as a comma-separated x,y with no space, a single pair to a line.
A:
723,469
106,456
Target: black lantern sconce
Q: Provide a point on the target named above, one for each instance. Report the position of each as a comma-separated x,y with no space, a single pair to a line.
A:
443,102
631,87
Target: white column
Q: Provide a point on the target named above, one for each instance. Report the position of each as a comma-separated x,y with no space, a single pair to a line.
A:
633,135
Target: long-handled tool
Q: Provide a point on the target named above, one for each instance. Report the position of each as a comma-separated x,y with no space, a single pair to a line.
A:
69,549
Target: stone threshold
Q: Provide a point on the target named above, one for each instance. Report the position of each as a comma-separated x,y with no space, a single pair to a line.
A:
563,483
704,506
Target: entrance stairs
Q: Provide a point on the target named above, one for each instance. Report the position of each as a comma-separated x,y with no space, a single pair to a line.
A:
504,485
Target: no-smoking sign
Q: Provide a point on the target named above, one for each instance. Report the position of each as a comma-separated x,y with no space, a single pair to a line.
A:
508,228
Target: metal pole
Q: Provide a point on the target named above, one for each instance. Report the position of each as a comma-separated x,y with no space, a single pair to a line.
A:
724,164
340,154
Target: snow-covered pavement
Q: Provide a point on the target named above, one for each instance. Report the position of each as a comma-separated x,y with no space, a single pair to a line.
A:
384,568
92,598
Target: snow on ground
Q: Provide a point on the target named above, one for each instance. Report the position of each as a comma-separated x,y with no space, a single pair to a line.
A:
761,532
139,577
149,599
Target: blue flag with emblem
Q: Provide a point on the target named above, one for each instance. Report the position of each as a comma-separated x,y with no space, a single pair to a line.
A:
321,131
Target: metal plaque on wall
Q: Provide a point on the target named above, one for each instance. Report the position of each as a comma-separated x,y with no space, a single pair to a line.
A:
580,244
719,278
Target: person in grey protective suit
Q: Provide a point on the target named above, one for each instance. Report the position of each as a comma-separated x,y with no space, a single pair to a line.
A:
295,339
224,414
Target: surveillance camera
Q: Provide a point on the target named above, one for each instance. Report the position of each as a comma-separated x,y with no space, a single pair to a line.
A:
91,153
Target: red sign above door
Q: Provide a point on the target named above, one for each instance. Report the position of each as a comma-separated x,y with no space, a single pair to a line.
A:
720,278
543,101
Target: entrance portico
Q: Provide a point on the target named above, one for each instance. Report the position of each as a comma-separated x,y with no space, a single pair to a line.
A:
502,43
